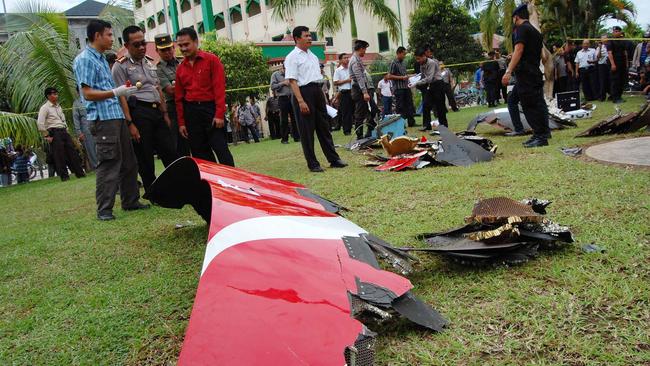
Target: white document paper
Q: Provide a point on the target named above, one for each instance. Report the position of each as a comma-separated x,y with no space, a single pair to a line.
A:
414,79
331,111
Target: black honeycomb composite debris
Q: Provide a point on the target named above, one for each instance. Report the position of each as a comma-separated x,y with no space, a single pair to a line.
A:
620,123
499,231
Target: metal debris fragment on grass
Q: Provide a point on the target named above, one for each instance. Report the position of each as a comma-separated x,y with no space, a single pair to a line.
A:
571,151
499,231
620,123
592,248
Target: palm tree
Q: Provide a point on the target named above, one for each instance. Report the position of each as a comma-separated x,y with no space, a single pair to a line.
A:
332,13
36,56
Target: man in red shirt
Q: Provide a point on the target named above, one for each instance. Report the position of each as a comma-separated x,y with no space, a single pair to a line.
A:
200,94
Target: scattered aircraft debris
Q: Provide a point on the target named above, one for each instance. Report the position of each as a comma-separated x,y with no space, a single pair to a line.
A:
499,231
285,279
500,118
620,123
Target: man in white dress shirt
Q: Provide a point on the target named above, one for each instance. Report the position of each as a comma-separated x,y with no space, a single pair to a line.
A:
343,81
585,67
302,69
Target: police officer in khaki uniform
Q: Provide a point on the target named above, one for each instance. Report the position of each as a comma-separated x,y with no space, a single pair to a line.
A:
167,76
145,111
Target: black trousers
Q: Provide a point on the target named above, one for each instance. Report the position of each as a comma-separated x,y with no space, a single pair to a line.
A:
64,153
203,136
286,111
534,107
427,106
404,105
182,146
437,90
560,85
492,89
253,130
513,110
315,121
274,124
603,81
155,136
589,84
346,108
618,79
450,96
502,88
361,110
117,166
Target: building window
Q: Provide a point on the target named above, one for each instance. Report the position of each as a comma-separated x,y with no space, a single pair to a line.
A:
151,23
269,3
161,17
277,38
314,36
119,39
253,7
383,41
138,4
197,2
185,5
330,41
146,1
78,43
201,28
235,14
219,22
141,25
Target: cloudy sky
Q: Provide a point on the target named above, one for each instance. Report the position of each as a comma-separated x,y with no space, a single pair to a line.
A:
642,6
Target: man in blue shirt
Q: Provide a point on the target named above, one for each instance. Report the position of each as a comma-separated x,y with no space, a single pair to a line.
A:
116,162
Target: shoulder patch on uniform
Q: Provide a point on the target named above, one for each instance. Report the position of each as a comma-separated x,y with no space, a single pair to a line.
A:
121,60
148,57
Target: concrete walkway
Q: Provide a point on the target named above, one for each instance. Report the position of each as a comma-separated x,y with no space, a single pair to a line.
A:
631,151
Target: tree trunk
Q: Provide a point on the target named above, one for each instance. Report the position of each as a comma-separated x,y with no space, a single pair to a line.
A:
353,22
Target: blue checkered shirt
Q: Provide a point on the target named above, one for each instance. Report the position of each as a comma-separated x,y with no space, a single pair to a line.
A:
91,69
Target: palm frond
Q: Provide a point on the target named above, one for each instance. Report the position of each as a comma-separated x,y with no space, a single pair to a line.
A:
332,13
21,128
474,4
379,10
285,9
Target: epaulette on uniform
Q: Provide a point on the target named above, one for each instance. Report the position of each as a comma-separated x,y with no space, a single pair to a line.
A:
121,60
149,58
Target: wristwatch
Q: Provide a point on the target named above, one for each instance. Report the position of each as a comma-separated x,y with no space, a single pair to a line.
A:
129,122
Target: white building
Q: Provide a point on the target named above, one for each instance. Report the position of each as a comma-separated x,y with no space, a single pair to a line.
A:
252,20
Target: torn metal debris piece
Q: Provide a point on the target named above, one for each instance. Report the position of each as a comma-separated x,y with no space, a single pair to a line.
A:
620,123
460,152
500,118
500,231
285,280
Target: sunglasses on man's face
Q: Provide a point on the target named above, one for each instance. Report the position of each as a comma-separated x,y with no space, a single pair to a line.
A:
139,44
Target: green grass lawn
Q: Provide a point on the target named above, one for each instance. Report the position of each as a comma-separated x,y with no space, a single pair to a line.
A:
77,291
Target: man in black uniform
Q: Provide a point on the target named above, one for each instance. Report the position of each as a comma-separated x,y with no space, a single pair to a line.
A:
491,79
529,84
146,111
618,59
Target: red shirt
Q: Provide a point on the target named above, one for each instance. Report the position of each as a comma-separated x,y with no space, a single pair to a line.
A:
205,81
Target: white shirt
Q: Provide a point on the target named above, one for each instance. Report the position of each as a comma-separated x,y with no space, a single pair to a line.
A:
50,116
385,88
583,57
602,58
343,73
301,66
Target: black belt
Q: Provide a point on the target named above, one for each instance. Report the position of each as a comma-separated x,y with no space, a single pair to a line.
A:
345,90
199,102
284,96
313,84
153,105
585,68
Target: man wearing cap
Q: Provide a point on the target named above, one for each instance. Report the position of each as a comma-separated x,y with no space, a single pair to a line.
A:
618,60
529,84
166,71
282,89
145,111
51,122
303,72
360,87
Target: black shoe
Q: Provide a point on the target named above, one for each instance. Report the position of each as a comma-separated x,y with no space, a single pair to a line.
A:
284,142
81,176
296,140
138,206
619,101
105,217
537,142
529,140
347,133
338,164
65,179
515,133
316,169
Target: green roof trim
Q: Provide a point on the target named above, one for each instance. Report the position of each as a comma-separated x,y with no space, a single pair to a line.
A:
281,50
